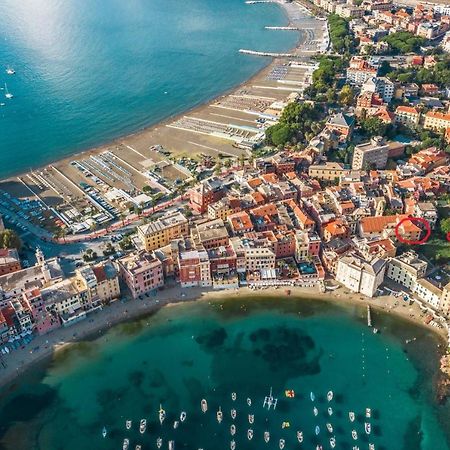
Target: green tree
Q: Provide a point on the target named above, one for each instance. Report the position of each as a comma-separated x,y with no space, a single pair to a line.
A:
373,126
346,96
10,239
445,225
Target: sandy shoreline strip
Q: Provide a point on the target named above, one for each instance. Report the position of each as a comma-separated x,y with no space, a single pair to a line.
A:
97,323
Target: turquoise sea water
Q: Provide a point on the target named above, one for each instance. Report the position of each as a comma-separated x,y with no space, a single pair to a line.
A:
189,352
88,71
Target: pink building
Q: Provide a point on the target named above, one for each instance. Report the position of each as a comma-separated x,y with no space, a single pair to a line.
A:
141,273
43,320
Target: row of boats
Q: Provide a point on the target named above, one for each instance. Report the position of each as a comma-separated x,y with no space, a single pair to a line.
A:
269,402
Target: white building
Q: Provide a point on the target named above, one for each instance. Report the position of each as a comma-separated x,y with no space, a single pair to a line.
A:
406,269
359,275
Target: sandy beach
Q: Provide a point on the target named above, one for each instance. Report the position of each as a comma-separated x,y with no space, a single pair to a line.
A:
97,323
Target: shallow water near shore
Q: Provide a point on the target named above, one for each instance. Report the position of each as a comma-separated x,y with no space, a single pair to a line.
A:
208,350
88,71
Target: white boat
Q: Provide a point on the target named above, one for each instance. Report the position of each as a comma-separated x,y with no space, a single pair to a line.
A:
315,411
368,413
128,424
330,427
171,445
183,416
371,446
330,411
204,405
142,426
266,437
319,447
7,93
233,414
249,401
367,428
232,444
333,442
251,418
355,447
351,416
233,396
138,447
233,429
354,435
161,414
159,442
104,432
300,436
312,396
175,424
330,396
249,434
270,401
375,330
10,71
317,430
282,444
126,444
219,415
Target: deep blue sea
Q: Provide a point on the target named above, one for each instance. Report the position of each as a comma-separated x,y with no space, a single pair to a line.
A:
88,71
194,351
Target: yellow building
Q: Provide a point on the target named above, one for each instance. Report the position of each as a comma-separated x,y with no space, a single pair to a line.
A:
160,233
436,121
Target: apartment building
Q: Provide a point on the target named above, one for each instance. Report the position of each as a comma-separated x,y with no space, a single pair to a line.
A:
434,120
141,272
407,115
194,268
160,233
359,275
373,154
330,171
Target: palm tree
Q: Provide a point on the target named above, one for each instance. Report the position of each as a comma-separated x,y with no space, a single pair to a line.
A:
122,216
93,227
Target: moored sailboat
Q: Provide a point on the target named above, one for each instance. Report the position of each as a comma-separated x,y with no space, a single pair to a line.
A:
251,418
219,415
128,424
315,411
159,442
233,429
204,405
333,442
330,411
161,414
233,414
300,436
354,435
142,426
368,413
249,434
104,432
330,427
367,428
330,396
126,444
317,430
266,437
351,416
282,443
233,396
183,416
233,444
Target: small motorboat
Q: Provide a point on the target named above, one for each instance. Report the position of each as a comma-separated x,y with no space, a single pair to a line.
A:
330,427
371,446
232,444
251,418
333,442
126,444
104,432
367,428
159,442
330,411
300,436
204,405
330,396
319,447
219,415
282,443
142,426
368,413
161,414
249,434
266,437
175,424
233,396
183,416
138,447
351,416
315,411
375,330
312,396
249,401
171,445
10,71
355,447
233,414
354,435
317,430
128,424
285,425
233,429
